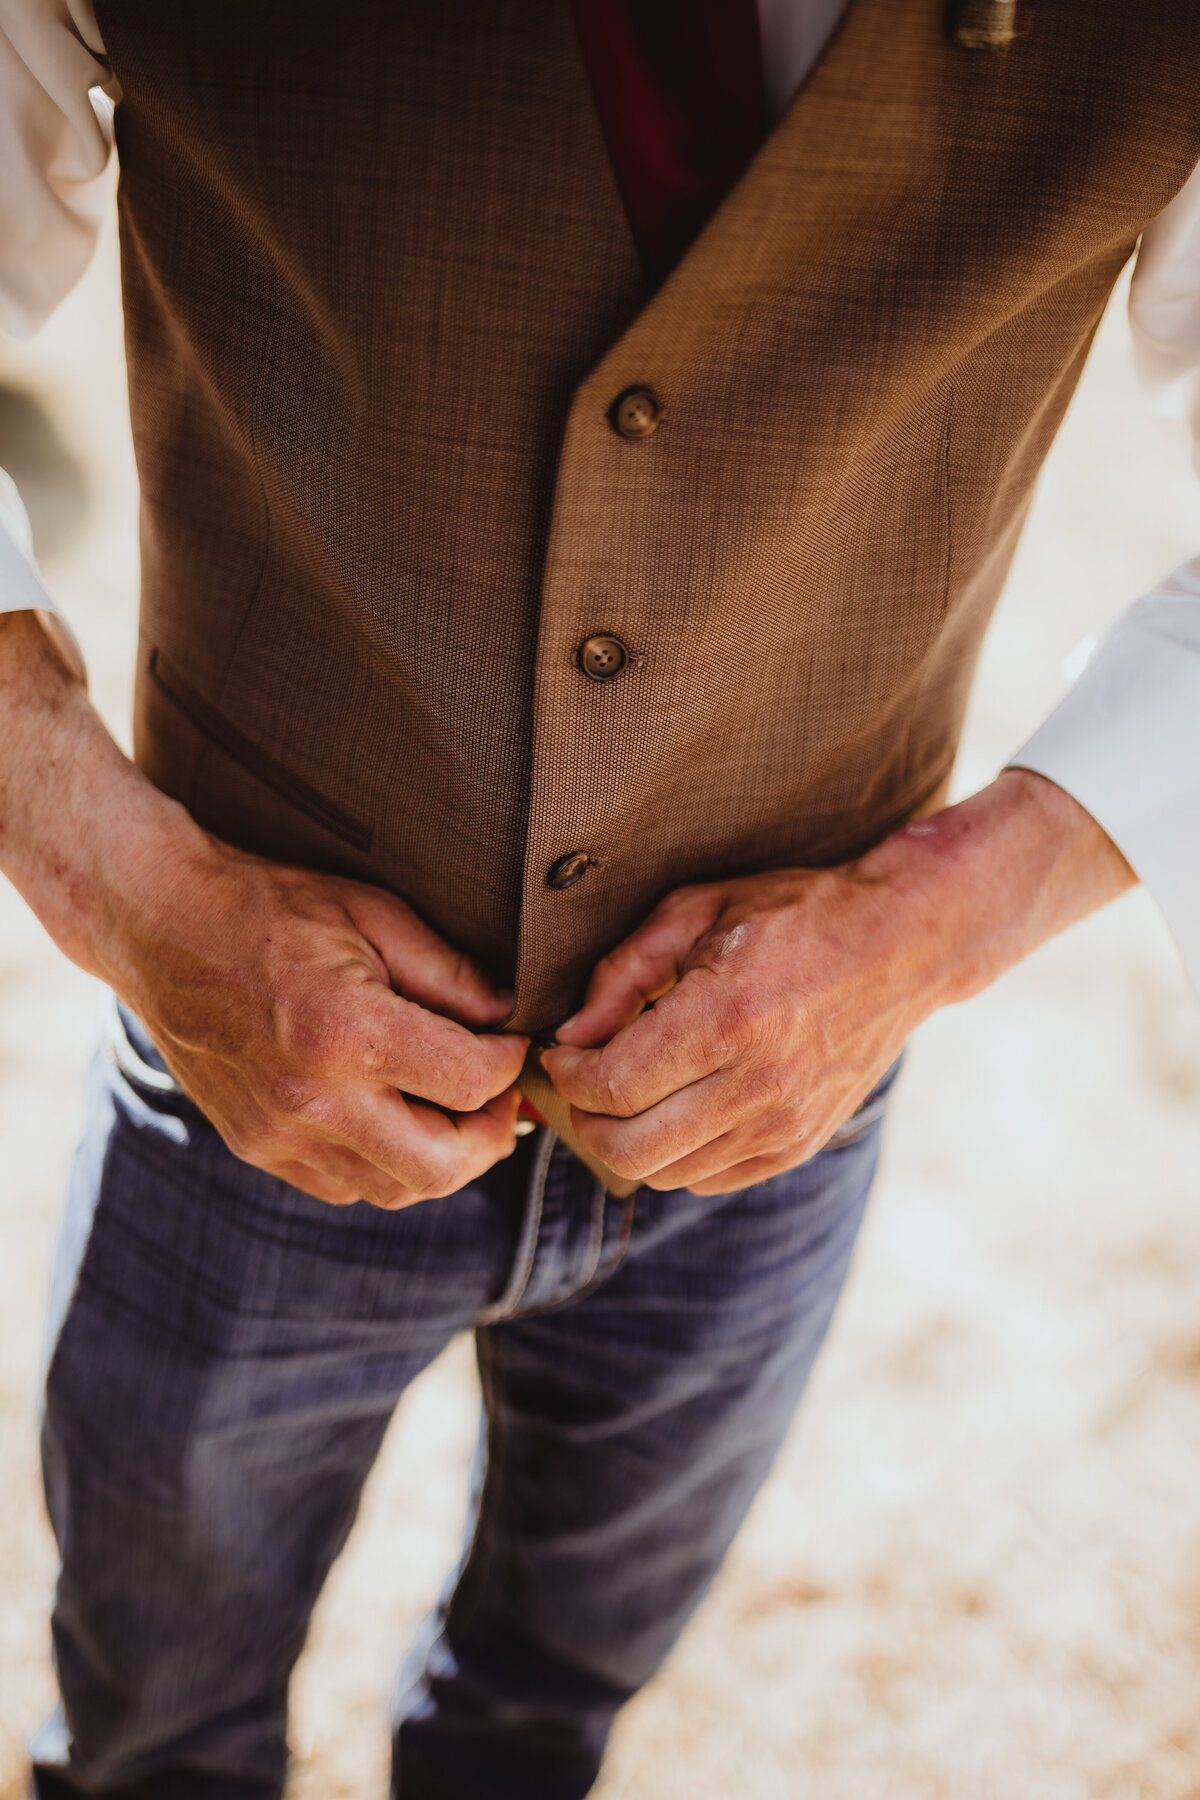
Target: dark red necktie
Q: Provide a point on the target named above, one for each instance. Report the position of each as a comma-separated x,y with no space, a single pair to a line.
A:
678,86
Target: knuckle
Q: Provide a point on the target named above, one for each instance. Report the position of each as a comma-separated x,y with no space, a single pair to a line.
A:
618,1102
373,1059
682,899
342,1196
750,1015
388,1196
250,1144
437,1188
610,966
614,1091
629,1162
433,1175
472,1089
313,1037
464,1079
255,1135
303,1103
767,1089
464,974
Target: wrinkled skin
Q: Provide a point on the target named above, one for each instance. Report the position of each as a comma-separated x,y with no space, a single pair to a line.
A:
335,1040
313,1020
331,1037
729,1036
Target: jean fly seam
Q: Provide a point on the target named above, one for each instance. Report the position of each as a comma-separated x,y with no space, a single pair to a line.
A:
599,1272
596,1241
531,1225
465,1600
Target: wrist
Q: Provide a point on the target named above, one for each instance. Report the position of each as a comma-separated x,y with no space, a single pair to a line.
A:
136,855
983,883
81,828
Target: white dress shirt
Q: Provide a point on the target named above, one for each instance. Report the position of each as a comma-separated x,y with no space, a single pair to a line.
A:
1125,742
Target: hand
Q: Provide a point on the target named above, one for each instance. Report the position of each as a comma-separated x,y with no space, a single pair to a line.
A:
322,1027
331,1037
777,1001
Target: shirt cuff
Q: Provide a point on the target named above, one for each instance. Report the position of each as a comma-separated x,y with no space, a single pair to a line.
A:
21,586
1125,743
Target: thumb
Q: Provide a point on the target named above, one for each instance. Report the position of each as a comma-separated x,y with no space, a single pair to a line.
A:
642,968
421,965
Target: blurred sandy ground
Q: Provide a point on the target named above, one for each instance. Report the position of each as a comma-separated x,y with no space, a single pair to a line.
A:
976,1569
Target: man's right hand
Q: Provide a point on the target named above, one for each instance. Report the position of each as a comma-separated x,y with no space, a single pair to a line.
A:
331,1037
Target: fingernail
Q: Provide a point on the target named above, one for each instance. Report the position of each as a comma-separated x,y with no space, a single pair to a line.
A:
568,1022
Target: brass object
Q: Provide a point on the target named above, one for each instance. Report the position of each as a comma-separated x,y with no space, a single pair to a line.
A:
602,657
984,24
636,413
568,869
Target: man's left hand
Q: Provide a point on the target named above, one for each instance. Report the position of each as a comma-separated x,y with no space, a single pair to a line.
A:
733,1032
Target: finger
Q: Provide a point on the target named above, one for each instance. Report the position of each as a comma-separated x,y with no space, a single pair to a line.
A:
643,967
397,1042
421,964
691,1123
694,1030
431,1152
760,1141
343,1179
333,1190
745,1174
504,1108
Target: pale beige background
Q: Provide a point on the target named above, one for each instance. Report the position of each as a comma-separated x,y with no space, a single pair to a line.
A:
976,1570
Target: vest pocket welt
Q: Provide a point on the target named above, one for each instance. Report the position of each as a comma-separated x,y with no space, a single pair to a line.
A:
292,788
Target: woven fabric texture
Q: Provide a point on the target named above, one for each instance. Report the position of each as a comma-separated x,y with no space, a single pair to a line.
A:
381,294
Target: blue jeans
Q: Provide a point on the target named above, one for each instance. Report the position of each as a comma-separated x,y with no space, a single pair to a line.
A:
226,1354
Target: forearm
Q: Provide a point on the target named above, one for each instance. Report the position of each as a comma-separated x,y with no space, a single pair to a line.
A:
782,998
295,1009
80,827
982,884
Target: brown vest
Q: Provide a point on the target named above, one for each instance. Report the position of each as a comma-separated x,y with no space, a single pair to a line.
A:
380,296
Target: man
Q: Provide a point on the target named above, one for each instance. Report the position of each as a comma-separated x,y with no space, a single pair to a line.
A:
569,523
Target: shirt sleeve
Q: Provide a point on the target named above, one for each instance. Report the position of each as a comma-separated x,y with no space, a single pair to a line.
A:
1125,740
21,586
1125,743
56,107
56,134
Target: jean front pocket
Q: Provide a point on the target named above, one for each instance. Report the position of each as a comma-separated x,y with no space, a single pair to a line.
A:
268,769
869,1114
142,1084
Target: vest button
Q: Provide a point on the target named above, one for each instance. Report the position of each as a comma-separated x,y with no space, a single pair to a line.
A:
636,413
601,658
568,869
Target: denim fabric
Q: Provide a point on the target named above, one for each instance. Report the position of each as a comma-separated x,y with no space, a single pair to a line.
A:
226,1354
